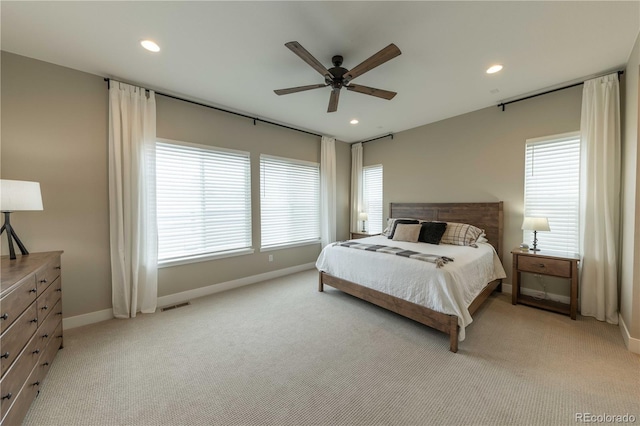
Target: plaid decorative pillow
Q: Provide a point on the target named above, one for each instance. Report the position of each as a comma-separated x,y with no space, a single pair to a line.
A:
461,234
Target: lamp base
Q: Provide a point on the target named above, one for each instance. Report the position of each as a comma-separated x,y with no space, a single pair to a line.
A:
535,241
11,235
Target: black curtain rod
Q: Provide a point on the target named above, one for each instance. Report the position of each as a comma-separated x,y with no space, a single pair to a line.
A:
390,135
255,119
503,104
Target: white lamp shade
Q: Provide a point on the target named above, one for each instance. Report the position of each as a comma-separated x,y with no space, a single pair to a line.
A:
363,216
19,195
535,224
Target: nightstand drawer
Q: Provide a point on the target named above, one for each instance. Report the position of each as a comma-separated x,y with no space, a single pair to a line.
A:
538,265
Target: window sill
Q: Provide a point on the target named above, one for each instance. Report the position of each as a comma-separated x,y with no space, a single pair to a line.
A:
289,245
204,257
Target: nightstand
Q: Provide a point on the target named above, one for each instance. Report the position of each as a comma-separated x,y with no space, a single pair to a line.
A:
554,264
358,235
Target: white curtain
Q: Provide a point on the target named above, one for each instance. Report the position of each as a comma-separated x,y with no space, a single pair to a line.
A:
328,190
132,202
356,184
600,188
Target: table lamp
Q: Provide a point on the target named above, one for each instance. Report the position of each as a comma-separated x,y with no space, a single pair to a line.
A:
535,224
17,195
363,216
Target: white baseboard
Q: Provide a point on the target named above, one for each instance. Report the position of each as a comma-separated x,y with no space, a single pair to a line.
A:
174,299
506,288
631,343
86,319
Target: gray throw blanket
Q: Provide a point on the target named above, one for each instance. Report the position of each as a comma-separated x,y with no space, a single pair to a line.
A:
440,261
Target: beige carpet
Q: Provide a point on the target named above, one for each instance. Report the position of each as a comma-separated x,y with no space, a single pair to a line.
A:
280,353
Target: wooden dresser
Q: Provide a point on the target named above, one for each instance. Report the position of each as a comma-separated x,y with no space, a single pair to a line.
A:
31,327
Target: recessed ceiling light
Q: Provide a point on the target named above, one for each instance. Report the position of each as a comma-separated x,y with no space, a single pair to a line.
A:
354,121
494,69
150,45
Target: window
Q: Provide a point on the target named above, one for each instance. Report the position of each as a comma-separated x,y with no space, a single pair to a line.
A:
289,201
552,190
203,200
372,197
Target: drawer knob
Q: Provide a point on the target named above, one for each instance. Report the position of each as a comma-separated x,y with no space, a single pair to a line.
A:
57,267
58,289
33,290
34,320
44,281
4,316
37,351
59,337
7,396
45,307
44,336
45,364
58,313
5,355
541,265
36,384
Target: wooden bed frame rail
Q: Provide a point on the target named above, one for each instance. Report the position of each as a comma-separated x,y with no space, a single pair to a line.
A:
443,322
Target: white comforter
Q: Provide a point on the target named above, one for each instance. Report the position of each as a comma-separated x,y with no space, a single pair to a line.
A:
449,289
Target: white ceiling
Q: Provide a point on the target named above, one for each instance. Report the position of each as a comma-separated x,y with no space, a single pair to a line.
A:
232,54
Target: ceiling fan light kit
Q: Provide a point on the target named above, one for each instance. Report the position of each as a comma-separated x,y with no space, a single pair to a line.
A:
339,77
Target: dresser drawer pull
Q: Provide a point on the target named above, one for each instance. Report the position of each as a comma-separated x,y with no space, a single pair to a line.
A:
541,265
44,281
7,396
37,351
45,364
58,313
57,267
34,320
33,290
4,316
36,384
5,355
45,307
59,337
44,336
59,289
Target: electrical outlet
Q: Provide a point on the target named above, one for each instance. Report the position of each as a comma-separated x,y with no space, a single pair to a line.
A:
270,258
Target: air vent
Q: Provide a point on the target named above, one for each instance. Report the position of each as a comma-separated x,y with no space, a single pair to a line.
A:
179,305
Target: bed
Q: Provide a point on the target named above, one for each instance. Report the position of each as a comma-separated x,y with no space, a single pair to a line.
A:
452,294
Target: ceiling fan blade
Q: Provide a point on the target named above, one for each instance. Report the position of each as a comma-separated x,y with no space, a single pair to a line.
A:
298,89
333,100
386,54
384,94
296,48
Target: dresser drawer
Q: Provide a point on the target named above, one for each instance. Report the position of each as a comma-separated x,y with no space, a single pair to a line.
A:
46,330
47,357
14,303
17,336
539,265
47,275
21,404
48,299
15,377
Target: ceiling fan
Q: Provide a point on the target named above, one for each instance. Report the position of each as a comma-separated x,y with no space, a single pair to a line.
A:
338,77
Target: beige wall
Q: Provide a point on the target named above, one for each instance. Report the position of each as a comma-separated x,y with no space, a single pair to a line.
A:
477,156
54,131
630,258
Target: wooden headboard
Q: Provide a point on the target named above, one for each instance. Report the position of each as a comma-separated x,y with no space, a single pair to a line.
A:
487,216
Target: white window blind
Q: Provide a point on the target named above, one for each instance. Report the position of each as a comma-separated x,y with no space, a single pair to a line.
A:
552,190
372,197
289,201
203,200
